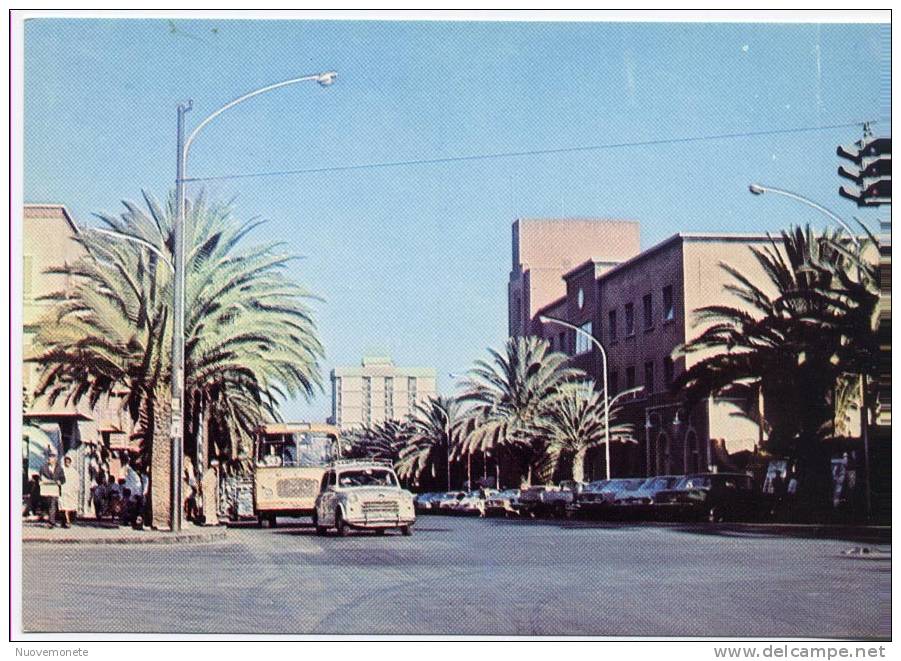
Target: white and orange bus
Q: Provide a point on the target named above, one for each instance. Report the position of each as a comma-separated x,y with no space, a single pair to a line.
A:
290,460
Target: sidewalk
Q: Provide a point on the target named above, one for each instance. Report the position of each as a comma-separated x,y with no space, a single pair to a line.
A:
90,531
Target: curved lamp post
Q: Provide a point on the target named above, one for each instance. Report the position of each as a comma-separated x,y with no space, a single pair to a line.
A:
178,329
758,189
553,320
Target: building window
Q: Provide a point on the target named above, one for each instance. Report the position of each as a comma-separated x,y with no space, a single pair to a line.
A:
367,399
668,371
336,398
614,383
583,341
411,390
630,319
562,339
669,311
648,377
389,398
630,377
612,325
647,304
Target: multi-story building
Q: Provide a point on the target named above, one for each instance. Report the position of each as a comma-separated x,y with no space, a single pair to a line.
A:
545,249
378,390
48,241
641,311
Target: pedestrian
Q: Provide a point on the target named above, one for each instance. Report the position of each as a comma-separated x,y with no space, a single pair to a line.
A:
68,499
34,496
99,496
134,486
52,478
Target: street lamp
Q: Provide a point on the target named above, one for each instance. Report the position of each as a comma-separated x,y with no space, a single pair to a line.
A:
553,320
758,189
178,330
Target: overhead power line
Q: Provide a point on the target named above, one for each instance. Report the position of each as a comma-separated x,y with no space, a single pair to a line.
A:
534,152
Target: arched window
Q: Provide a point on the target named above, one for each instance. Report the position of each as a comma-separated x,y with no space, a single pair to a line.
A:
664,460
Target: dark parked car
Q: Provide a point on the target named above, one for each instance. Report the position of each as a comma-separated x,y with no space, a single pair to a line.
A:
709,497
596,500
639,503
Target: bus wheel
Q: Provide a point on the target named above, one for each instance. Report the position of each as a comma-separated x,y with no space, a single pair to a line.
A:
340,526
380,532
320,530
406,531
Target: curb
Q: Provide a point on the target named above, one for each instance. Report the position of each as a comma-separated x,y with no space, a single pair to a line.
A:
152,537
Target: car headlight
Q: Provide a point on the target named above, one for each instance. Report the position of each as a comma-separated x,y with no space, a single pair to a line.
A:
353,499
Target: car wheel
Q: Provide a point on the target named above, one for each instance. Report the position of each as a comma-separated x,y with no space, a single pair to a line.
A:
715,515
406,531
340,526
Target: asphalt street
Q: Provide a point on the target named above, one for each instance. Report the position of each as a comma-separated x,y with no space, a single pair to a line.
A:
465,576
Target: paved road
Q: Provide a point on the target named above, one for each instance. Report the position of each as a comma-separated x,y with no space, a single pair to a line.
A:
466,576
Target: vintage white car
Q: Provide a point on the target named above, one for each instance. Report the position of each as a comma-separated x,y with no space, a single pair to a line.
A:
364,495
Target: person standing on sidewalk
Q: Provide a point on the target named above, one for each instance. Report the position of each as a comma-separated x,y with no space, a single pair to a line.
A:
52,479
68,498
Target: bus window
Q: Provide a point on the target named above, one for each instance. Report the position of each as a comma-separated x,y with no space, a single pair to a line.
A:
314,449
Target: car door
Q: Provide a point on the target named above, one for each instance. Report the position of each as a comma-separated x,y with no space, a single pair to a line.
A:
327,498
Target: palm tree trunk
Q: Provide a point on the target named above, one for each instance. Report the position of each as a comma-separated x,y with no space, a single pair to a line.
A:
579,466
160,459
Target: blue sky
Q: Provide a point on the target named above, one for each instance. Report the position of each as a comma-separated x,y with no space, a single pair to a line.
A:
413,261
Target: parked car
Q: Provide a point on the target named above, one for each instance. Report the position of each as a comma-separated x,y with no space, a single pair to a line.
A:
709,497
447,502
424,502
473,502
529,502
598,498
362,495
638,503
502,503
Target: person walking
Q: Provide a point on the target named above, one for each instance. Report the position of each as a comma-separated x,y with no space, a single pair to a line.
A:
68,498
52,479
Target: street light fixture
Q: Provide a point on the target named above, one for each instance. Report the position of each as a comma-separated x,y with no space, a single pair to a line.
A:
553,320
760,189
178,331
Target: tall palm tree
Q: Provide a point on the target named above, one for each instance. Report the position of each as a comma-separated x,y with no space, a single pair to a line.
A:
250,339
436,428
511,396
574,425
796,336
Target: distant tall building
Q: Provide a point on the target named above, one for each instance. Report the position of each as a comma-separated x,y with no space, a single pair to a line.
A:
546,249
378,390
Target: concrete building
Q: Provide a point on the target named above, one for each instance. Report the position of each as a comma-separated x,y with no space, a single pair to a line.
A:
641,311
545,249
48,241
378,390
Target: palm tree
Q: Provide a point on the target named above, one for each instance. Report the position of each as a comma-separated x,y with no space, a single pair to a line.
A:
574,425
250,339
511,397
796,336
384,440
436,428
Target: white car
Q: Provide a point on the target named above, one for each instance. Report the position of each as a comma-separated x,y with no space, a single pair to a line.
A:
364,495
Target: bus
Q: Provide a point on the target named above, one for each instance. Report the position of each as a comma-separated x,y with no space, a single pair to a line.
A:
290,460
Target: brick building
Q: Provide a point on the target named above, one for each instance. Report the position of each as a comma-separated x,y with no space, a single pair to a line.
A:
640,309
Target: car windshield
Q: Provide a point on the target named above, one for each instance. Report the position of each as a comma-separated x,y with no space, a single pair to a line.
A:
597,485
694,482
622,485
659,483
367,477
